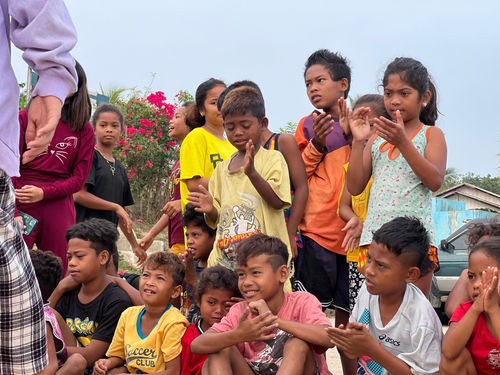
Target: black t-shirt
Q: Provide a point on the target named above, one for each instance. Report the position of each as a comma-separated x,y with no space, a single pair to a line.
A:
97,319
102,183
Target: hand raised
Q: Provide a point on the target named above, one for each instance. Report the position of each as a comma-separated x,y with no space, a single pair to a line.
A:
202,200
248,165
322,126
359,123
344,116
489,289
392,132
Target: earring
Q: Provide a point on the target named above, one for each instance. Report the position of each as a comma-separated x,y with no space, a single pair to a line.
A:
424,104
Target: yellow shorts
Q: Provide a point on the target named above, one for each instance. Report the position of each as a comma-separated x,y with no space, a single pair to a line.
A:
178,248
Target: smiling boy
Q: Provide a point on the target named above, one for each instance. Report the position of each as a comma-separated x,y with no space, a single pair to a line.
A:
148,338
393,327
92,310
272,331
248,192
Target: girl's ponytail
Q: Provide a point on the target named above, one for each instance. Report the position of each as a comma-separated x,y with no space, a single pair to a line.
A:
77,108
429,113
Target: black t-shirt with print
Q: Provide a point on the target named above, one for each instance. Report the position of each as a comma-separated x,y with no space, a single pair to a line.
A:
108,186
97,319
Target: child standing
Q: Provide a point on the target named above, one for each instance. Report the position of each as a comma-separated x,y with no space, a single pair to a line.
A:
249,191
325,146
107,190
406,156
206,146
474,330
47,183
92,310
352,209
148,338
272,329
181,124
287,145
217,286
393,327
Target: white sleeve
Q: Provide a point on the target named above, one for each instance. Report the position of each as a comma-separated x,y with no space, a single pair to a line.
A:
427,354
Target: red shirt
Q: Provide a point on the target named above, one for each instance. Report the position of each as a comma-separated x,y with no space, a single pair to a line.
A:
481,341
191,363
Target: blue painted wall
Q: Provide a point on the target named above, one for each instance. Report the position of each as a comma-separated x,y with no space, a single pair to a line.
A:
450,215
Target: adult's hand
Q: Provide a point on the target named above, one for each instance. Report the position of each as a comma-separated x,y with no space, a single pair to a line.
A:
43,116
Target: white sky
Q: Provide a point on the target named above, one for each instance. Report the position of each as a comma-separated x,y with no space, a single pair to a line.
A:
186,42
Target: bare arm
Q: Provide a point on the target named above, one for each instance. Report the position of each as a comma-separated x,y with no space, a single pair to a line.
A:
458,334
134,294
193,183
92,352
51,350
298,177
311,333
160,225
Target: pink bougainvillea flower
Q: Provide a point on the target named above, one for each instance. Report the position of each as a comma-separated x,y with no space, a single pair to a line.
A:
146,123
130,130
148,164
123,154
172,143
160,134
138,148
122,141
141,130
166,149
129,114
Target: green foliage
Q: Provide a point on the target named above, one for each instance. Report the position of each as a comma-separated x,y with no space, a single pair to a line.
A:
114,93
147,152
23,95
184,96
289,128
488,182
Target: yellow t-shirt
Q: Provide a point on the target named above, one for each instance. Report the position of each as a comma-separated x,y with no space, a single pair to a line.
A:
360,208
201,151
148,354
242,211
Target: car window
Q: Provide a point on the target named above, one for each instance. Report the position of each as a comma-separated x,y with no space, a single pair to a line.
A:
459,242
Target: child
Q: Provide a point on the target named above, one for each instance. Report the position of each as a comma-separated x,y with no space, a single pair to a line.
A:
286,144
476,233
206,146
393,327
47,183
217,286
107,190
180,125
352,209
321,265
249,191
406,156
271,329
474,329
200,241
148,338
92,310
48,270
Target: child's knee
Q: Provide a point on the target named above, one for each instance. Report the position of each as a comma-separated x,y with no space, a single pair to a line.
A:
296,347
76,363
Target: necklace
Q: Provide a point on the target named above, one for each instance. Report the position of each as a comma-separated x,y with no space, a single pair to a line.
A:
112,165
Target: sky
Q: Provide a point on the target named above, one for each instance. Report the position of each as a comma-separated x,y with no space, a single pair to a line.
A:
181,44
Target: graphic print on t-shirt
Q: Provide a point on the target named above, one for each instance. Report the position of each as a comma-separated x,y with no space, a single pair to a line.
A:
269,359
366,365
237,223
82,329
215,158
60,148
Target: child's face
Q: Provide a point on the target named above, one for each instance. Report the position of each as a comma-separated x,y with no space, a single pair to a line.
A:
385,272
478,262
156,287
258,280
177,127
322,91
240,128
84,264
399,95
210,111
213,305
199,242
108,128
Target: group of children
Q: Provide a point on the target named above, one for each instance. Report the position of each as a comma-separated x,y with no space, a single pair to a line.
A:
358,237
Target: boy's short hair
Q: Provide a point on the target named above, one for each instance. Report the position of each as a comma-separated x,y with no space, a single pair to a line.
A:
490,227
48,270
259,244
106,107
101,234
406,236
170,263
233,86
193,217
491,246
335,63
244,100
217,277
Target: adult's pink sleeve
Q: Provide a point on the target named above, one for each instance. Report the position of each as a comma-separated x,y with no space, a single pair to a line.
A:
81,168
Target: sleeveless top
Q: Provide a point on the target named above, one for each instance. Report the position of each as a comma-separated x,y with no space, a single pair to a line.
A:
396,190
61,352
